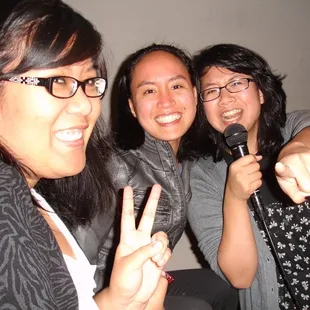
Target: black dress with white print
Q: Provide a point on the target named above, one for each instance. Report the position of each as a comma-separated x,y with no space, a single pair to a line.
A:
289,227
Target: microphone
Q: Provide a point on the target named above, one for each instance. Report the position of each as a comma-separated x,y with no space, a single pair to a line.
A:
236,137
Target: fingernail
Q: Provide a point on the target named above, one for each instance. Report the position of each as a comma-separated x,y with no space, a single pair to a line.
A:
168,277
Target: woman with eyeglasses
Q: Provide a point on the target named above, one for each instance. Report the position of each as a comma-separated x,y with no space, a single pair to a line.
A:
238,86
52,77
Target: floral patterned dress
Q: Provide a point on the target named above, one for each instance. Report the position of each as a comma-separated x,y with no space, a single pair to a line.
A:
289,227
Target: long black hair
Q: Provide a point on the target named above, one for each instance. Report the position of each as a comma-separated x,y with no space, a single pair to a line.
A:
42,34
129,133
273,112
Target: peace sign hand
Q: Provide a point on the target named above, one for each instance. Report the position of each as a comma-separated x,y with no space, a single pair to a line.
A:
139,259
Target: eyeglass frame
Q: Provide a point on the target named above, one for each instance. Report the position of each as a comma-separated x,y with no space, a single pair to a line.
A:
48,82
225,86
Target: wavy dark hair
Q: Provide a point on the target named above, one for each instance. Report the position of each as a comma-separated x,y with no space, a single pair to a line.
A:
273,112
128,132
42,34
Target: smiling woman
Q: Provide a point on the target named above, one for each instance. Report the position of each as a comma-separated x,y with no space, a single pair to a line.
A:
52,78
157,99
239,87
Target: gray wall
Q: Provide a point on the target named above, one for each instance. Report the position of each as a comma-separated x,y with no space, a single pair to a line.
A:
277,29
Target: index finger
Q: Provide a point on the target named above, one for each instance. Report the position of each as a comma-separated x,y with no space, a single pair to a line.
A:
283,171
128,216
148,216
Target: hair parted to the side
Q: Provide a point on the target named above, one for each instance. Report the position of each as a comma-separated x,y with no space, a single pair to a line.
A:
129,133
43,34
47,34
240,59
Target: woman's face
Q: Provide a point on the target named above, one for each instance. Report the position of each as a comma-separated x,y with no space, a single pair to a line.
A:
163,97
47,134
243,107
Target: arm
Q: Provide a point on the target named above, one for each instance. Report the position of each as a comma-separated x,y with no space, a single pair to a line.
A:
222,225
237,254
293,167
26,245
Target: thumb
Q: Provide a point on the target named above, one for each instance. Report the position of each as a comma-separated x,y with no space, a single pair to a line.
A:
138,258
284,171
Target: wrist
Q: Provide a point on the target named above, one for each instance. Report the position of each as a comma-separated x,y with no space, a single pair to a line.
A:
107,299
293,147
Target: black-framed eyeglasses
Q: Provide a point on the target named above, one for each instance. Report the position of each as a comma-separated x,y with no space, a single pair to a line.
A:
234,86
65,86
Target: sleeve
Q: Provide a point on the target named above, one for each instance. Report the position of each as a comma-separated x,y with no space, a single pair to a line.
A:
205,213
295,122
23,274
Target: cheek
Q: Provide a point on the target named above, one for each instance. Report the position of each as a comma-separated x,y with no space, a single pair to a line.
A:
209,110
96,110
143,109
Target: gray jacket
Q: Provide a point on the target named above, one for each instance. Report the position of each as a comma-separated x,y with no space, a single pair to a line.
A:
153,162
205,217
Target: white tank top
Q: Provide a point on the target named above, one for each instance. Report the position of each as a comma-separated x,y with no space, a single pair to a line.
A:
81,271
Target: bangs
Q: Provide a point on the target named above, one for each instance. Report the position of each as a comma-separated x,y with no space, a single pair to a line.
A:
59,38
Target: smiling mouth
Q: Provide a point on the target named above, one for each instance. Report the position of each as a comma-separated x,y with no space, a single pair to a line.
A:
166,119
231,115
69,135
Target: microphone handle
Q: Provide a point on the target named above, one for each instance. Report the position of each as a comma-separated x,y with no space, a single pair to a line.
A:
240,150
257,202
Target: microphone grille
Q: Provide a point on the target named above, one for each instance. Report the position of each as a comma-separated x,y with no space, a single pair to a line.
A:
235,134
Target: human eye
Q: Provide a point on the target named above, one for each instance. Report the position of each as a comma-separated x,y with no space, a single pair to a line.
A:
237,83
95,86
210,91
148,91
60,80
177,86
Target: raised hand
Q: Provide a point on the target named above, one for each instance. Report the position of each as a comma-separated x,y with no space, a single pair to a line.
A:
139,259
293,167
293,175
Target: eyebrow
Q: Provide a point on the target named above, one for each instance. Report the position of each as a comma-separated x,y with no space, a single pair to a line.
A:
233,78
174,78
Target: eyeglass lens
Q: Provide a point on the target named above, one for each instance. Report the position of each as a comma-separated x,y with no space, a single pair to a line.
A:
67,87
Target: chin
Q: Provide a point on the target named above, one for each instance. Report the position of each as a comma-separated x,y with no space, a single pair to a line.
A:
72,168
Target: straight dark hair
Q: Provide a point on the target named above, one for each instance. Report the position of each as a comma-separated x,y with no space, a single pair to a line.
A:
236,58
42,34
129,133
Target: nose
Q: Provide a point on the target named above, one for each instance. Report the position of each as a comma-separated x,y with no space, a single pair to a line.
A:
80,103
165,99
226,97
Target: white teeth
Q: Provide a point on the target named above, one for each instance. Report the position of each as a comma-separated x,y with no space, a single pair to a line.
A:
231,114
164,119
69,134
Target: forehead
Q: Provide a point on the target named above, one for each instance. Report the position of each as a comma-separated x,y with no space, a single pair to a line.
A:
217,72
215,75
159,63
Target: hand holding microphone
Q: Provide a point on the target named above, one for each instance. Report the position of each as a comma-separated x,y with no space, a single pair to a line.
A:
244,174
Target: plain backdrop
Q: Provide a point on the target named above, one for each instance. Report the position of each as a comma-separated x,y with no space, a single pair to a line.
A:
277,29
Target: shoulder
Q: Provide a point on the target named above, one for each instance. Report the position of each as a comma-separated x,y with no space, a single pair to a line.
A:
295,122
203,166
12,183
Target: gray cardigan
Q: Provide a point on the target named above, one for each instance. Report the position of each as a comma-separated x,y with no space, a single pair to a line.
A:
205,217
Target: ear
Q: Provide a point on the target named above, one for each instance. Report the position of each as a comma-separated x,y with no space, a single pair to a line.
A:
132,108
261,97
195,94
